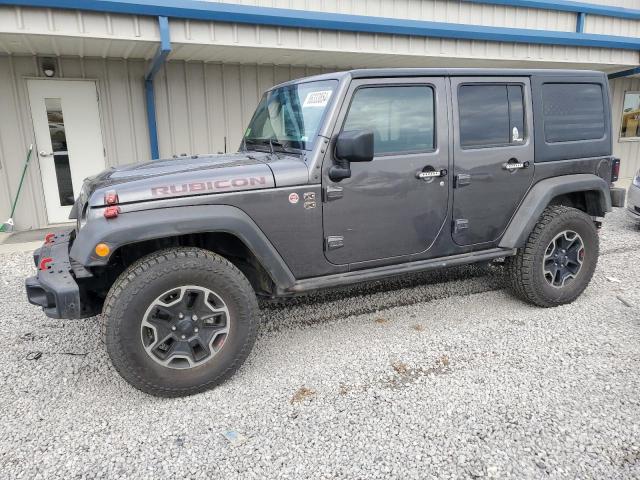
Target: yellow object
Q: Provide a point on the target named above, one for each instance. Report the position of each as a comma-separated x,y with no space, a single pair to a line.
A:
102,250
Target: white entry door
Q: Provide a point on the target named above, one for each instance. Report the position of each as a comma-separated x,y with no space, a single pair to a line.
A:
66,122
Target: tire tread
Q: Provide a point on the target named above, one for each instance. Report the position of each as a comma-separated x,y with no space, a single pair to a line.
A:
136,277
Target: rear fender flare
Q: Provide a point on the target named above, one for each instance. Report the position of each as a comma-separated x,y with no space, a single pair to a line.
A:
541,194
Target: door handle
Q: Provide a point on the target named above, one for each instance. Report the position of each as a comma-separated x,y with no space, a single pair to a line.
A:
513,165
426,175
42,153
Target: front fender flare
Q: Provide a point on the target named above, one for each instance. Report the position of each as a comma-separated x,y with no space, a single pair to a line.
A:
541,194
134,227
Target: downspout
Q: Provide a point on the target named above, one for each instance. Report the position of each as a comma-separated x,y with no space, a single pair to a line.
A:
163,51
580,21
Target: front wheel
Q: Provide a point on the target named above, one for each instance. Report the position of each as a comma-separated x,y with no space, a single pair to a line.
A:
179,321
558,260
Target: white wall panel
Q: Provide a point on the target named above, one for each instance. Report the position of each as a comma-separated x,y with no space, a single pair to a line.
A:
433,10
122,112
632,4
205,107
201,108
612,26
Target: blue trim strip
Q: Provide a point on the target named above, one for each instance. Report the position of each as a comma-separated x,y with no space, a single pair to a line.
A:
567,6
234,13
581,18
163,51
625,73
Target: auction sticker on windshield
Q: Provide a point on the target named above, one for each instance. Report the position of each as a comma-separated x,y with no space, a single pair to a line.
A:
317,99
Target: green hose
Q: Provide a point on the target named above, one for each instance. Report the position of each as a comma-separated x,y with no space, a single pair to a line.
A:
8,225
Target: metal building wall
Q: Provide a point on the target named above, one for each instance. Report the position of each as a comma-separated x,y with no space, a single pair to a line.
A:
122,111
202,107
205,107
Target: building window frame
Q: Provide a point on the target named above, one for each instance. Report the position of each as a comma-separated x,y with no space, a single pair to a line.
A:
636,138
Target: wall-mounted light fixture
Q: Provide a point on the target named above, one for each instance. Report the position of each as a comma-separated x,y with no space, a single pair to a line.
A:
48,67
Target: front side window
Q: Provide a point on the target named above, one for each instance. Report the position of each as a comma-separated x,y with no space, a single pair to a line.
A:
290,116
491,115
401,117
573,112
631,116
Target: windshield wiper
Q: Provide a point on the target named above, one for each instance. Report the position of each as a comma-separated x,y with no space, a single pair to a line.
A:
271,143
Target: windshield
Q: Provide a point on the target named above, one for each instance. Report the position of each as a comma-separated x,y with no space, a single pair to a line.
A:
290,116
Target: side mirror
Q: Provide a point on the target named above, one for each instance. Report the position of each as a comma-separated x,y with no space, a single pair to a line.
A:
354,146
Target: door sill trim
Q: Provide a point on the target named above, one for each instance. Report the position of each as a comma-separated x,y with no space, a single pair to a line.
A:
347,278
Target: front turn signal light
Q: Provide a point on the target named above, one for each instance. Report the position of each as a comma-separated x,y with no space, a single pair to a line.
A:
102,250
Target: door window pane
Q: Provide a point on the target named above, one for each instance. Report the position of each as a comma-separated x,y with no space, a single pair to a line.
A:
59,147
402,118
484,115
572,111
631,116
516,113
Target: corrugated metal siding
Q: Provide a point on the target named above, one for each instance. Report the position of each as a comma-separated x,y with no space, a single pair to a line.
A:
434,10
26,31
632,4
203,107
122,112
628,151
612,26
266,44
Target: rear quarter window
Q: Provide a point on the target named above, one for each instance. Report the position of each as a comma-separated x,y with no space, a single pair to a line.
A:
573,112
572,116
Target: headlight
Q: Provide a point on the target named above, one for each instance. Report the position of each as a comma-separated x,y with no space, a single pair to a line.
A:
636,179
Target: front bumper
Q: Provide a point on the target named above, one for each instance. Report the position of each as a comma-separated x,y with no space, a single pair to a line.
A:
55,288
633,202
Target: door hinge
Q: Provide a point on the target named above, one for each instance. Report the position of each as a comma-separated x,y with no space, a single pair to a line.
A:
334,241
331,192
460,224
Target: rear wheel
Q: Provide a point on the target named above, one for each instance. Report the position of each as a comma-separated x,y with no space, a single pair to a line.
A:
558,260
179,321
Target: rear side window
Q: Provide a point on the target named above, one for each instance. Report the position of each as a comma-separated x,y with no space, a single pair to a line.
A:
490,115
573,112
401,117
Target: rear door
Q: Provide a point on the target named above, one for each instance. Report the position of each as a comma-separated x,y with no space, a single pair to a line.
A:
493,154
386,209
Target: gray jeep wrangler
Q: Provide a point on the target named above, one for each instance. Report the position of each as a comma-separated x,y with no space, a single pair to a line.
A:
340,178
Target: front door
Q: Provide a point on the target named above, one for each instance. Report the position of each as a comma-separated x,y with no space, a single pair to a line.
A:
387,210
66,122
492,156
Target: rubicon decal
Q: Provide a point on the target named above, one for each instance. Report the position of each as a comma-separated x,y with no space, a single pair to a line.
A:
230,184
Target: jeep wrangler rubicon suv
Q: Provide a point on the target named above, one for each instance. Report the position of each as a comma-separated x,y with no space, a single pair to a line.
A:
339,178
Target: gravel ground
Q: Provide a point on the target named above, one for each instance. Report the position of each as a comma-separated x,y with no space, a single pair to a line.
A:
441,375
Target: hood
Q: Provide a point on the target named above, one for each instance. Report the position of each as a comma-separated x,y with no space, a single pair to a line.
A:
182,176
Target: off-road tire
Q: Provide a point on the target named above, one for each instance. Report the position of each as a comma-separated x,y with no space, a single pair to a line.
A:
138,286
525,271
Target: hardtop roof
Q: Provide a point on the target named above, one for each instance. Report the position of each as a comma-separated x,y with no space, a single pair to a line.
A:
445,72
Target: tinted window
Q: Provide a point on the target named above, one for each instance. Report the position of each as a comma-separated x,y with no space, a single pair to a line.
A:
402,118
490,115
572,111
